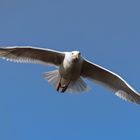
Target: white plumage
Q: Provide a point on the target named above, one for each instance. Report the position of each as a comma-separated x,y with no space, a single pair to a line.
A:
72,68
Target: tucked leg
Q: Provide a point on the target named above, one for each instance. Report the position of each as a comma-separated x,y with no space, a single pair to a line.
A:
59,85
65,87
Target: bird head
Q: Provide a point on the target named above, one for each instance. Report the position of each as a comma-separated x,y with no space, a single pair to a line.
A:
75,55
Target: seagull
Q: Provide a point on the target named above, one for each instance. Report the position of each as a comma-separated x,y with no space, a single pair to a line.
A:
71,70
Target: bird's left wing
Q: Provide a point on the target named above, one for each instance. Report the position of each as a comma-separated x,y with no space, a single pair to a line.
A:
28,54
111,80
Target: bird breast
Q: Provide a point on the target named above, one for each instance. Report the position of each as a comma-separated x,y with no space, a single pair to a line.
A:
70,69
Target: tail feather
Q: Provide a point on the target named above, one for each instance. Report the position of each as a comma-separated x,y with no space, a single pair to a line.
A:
53,77
76,86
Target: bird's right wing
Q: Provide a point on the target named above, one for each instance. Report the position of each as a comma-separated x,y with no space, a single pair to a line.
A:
110,80
28,54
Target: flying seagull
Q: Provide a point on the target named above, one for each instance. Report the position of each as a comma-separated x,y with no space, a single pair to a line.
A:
72,68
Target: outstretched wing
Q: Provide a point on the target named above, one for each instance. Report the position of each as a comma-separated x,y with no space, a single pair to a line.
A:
109,79
28,54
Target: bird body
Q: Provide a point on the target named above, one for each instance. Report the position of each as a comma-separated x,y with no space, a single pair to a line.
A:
72,69
71,66
68,75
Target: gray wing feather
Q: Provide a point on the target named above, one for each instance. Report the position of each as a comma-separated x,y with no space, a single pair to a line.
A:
28,54
109,79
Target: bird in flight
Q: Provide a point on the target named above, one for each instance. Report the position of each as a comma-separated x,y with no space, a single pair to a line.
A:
71,70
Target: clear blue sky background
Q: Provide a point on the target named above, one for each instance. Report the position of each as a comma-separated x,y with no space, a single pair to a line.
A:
106,32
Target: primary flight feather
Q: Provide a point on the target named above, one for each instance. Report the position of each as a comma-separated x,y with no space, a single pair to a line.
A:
72,68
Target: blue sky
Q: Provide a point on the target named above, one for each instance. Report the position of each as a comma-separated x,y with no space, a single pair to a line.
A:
106,32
